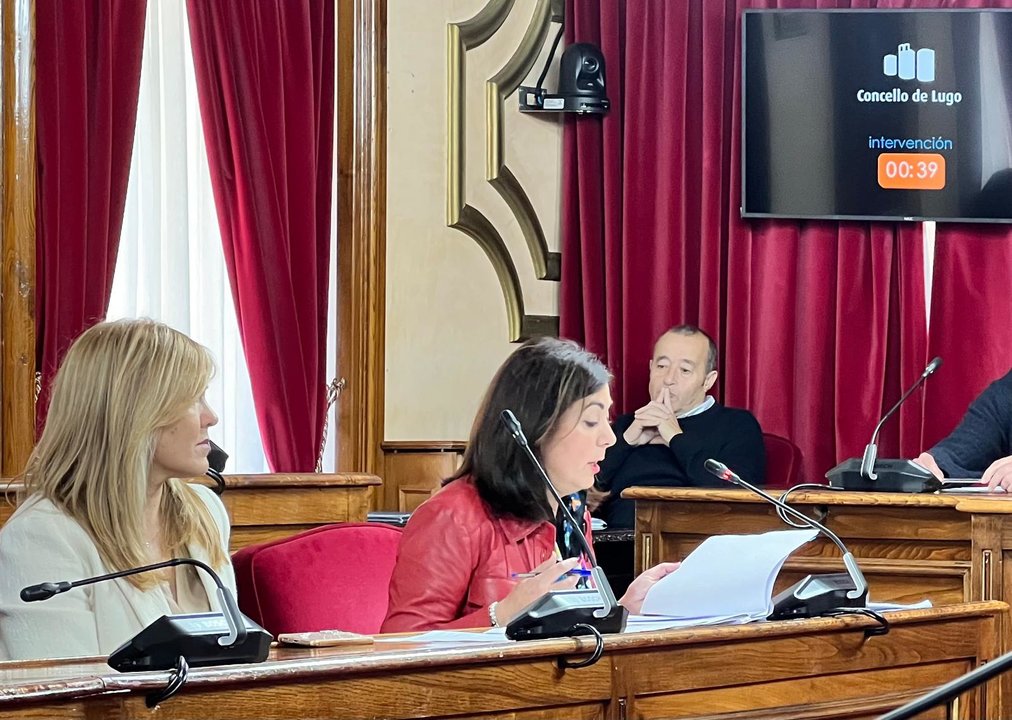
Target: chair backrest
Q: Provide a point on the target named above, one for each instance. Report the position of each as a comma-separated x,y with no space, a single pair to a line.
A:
334,577
783,461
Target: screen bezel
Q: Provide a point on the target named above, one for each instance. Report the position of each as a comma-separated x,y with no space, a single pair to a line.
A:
744,87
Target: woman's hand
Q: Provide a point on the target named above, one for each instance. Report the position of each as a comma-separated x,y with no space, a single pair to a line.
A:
549,575
634,596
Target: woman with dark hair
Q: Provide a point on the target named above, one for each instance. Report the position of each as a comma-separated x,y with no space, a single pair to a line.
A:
464,550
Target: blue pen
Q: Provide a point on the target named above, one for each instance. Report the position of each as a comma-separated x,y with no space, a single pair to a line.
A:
579,572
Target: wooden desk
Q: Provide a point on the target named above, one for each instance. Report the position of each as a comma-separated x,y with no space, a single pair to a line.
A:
949,548
807,669
266,507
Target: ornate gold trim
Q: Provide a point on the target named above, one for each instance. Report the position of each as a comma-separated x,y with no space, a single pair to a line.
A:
547,264
462,37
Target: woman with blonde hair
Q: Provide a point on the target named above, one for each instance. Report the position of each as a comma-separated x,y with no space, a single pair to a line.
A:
104,493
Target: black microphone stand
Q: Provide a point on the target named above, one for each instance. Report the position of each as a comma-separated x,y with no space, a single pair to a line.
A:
562,613
871,450
870,474
177,642
815,594
216,466
230,610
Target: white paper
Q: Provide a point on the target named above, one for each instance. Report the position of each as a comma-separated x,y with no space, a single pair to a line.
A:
891,606
651,623
727,575
960,489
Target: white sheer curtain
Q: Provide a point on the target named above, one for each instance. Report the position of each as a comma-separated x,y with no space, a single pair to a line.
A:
170,265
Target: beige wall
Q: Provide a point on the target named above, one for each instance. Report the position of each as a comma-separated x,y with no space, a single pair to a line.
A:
446,326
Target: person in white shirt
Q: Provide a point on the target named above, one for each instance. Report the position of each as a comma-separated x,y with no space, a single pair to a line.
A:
103,493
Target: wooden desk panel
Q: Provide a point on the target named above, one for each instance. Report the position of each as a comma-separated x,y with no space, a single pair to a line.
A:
414,470
947,548
822,668
270,506
261,512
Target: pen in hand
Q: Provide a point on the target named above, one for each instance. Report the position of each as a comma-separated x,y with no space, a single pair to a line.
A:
578,572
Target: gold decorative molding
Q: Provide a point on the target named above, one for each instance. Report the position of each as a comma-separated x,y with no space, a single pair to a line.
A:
462,37
547,265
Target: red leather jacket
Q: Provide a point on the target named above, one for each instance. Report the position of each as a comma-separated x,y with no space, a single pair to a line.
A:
456,558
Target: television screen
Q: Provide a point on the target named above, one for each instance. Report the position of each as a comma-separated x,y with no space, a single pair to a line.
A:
877,114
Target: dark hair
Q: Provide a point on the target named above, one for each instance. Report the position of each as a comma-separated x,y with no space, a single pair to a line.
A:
538,382
711,355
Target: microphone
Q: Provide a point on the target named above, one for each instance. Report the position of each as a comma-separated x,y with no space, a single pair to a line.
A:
557,613
891,475
216,459
815,594
202,638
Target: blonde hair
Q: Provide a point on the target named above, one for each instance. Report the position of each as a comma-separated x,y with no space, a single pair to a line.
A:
119,385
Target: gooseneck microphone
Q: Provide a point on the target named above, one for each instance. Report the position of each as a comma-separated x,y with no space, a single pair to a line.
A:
216,459
892,475
556,613
201,638
815,594
513,425
871,450
233,618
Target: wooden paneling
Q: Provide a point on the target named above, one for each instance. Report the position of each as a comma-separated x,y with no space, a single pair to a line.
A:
17,285
361,230
268,507
946,548
800,670
413,470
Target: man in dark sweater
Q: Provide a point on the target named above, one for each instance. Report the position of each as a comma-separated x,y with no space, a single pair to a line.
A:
981,445
667,440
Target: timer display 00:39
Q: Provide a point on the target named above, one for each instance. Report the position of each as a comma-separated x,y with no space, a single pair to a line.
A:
911,171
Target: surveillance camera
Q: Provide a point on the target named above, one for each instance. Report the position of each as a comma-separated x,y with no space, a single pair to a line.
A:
581,71
581,84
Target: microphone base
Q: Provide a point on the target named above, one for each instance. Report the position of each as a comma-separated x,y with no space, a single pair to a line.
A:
556,614
195,637
893,475
816,595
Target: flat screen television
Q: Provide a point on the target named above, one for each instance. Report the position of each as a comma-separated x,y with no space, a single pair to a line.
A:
877,114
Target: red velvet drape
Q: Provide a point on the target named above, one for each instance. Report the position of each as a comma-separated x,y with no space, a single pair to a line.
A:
821,324
265,79
88,66
971,319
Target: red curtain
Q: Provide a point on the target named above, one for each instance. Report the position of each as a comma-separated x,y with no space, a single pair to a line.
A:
265,80
88,65
821,324
971,319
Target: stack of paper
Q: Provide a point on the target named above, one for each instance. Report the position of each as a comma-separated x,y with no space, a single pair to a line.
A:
728,578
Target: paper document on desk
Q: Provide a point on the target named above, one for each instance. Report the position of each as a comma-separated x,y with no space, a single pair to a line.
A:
726,576
652,623
893,607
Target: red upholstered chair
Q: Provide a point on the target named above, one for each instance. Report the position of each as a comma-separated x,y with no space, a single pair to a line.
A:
783,461
330,578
